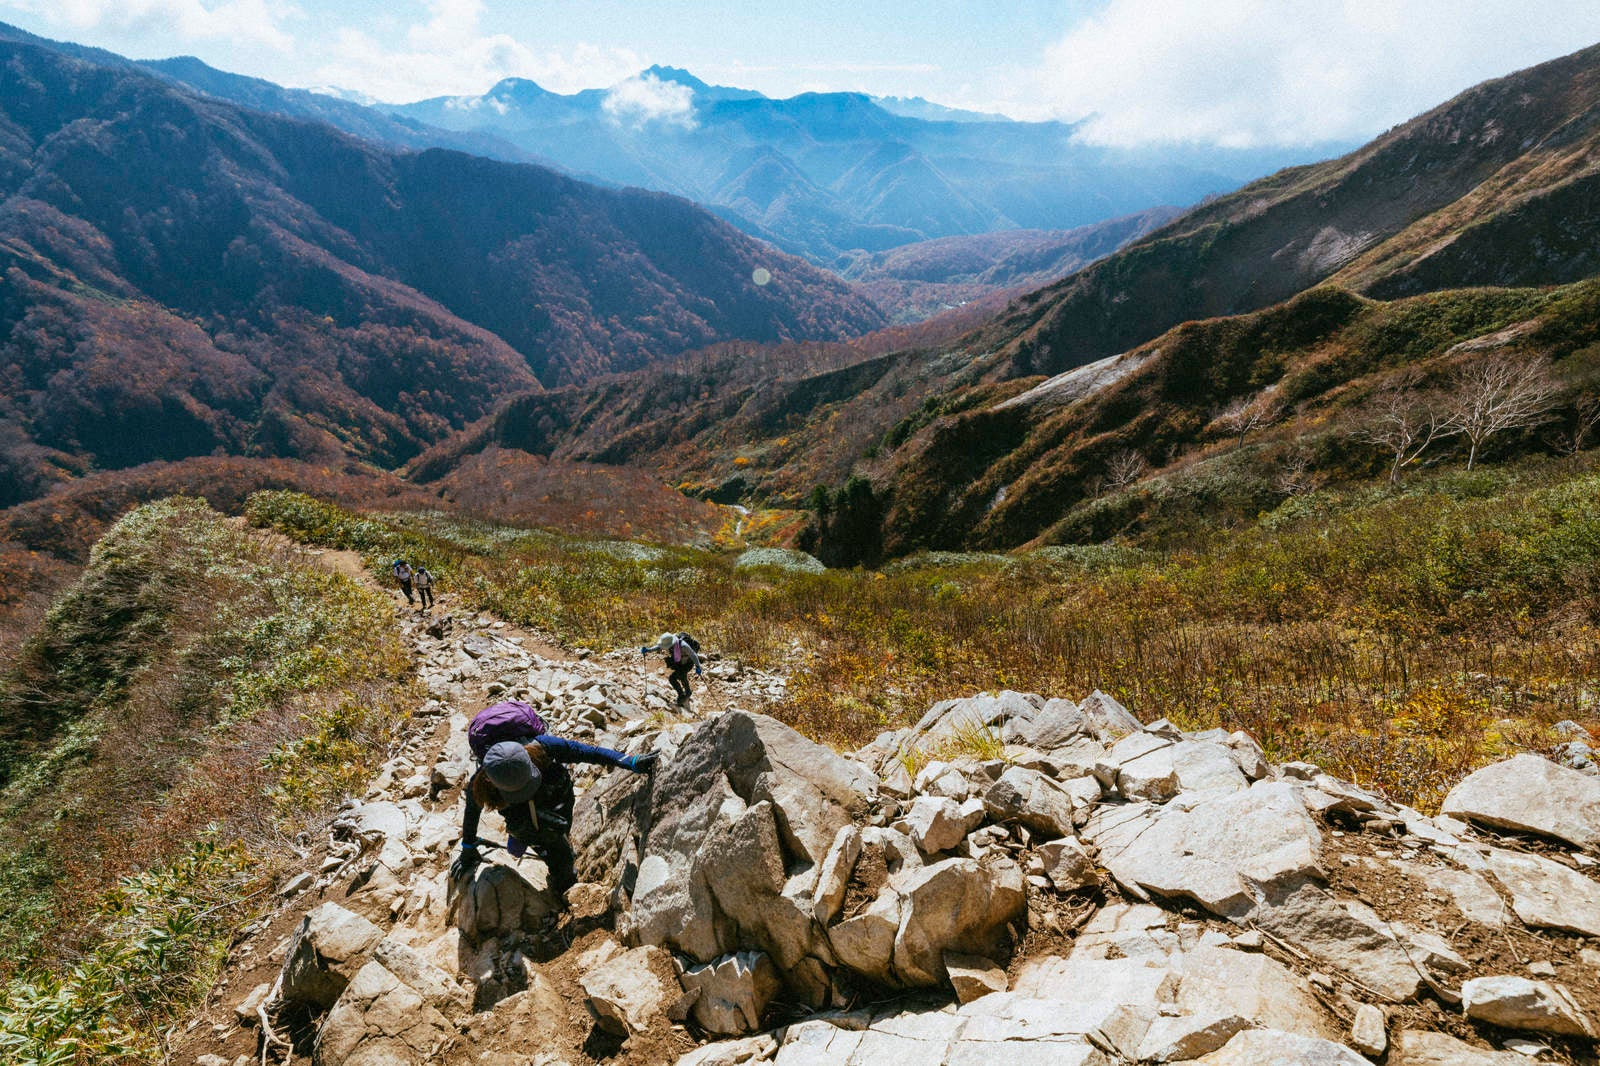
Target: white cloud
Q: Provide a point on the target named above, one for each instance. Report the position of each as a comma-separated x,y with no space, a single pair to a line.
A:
649,99
448,53
1257,72
255,22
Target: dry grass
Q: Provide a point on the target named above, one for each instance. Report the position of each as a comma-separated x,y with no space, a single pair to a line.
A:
1399,638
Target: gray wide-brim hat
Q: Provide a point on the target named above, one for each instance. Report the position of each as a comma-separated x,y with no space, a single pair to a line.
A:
512,772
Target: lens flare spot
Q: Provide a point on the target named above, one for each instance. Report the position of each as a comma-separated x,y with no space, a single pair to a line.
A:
761,275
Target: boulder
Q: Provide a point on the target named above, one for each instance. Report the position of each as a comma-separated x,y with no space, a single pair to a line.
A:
936,823
500,899
745,805
1531,794
1067,864
1226,852
1267,994
1108,720
438,989
379,1020
626,994
958,905
326,951
833,880
1271,1047
1513,1002
606,825
731,994
949,721
1029,797
1546,894
1057,724
1416,1047
1145,770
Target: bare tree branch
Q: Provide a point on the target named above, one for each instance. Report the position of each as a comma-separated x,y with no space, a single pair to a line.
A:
1585,417
1501,392
1125,468
1404,420
1248,413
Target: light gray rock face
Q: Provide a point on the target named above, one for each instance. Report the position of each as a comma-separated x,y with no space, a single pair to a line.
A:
1530,793
438,989
502,899
741,820
379,1020
1348,936
833,880
731,994
1219,982
1227,852
1414,1047
1005,714
1188,1036
1546,894
1031,798
1513,1002
625,993
327,950
605,828
1269,1047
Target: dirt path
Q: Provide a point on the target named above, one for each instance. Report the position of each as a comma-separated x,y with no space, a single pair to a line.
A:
466,661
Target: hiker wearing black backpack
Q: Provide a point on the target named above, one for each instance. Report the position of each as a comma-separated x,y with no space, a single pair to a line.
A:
404,574
424,583
682,652
522,773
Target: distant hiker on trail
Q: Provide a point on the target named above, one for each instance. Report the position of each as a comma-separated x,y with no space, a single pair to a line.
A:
522,773
424,581
403,574
682,651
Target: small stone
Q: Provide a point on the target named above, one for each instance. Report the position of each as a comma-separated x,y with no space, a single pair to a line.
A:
1368,1032
1542,968
295,885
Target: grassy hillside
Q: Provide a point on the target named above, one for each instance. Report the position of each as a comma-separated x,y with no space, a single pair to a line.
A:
179,714
1401,636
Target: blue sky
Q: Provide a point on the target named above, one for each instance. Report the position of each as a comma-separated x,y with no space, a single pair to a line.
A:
1238,72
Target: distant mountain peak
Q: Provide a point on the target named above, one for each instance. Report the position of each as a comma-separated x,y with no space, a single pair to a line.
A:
517,89
675,74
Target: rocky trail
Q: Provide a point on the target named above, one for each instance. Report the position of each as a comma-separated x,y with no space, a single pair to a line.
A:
1012,879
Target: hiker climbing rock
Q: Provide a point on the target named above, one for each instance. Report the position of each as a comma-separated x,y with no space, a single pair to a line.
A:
522,773
424,583
682,652
404,574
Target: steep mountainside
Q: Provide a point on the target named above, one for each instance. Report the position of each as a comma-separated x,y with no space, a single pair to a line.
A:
182,277
1496,187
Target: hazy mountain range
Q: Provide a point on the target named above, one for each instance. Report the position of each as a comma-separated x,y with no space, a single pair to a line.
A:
822,174
180,276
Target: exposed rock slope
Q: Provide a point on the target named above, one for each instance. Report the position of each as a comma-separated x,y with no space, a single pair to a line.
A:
1106,892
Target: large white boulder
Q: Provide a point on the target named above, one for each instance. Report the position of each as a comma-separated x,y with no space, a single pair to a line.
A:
626,993
1226,852
1546,894
1531,794
1270,1047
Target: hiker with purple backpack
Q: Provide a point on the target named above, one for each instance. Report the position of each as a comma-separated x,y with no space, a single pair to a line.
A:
682,652
522,773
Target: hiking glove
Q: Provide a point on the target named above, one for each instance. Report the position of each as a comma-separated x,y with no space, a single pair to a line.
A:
642,764
465,862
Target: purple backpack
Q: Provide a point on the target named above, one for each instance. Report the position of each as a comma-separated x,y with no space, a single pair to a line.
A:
511,720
